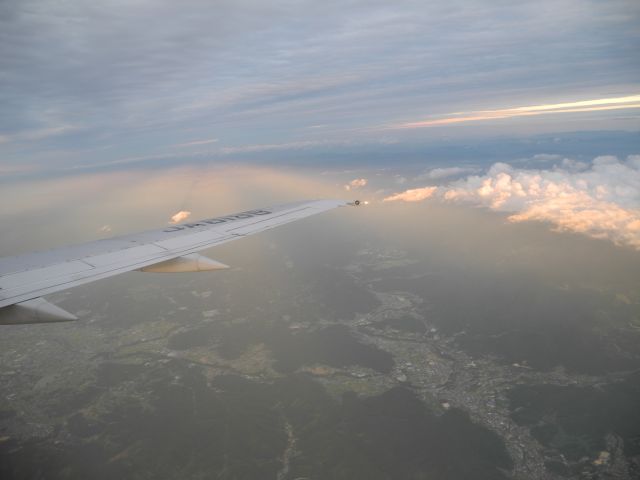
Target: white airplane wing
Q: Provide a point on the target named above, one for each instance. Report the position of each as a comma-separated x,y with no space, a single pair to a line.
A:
24,279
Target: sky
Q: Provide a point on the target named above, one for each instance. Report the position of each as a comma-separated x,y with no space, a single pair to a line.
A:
428,96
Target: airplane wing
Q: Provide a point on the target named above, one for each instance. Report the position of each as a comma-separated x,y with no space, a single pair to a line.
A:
24,279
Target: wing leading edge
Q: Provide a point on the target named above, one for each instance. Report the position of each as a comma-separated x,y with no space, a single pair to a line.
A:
26,278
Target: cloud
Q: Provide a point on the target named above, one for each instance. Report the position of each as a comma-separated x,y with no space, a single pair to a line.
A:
302,145
412,195
180,216
439,173
601,104
601,199
356,183
134,160
37,134
12,169
105,229
400,180
348,66
269,147
546,157
197,142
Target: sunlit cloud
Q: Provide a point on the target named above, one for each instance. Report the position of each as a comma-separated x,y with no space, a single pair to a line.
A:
356,183
181,216
412,195
603,104
600,200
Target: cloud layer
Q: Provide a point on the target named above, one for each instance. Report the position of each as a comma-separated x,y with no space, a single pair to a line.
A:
95,82
601,199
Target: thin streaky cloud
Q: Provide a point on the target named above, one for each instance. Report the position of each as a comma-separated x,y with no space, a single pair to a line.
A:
197,143
275,146
603,104
39,134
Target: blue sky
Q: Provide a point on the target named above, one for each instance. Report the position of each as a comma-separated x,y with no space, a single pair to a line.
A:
109,84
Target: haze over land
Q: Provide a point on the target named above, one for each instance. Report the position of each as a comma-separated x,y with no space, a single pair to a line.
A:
479,318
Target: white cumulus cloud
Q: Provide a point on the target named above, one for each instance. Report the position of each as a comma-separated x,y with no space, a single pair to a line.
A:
600,199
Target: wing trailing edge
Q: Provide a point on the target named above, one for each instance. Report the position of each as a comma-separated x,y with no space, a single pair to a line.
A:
193,262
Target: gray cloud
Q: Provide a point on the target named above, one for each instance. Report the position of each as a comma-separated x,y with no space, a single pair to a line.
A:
141,76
